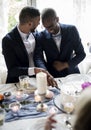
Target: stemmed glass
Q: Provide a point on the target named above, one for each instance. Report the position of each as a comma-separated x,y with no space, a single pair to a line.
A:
68,107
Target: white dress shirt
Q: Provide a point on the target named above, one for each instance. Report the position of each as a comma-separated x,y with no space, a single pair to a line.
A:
29,42
57,39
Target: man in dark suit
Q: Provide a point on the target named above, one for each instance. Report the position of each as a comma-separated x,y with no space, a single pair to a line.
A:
19,44
60,44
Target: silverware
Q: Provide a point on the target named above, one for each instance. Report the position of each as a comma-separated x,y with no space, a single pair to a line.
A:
57,87
59,80
16,86
68,124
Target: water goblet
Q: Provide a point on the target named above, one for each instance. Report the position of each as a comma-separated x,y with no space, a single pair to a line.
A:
68,107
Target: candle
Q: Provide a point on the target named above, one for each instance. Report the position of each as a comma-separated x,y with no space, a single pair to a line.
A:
19,94
37,98
41,82
7,95
15,106
53,110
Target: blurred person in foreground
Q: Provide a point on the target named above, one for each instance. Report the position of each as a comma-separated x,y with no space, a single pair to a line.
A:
82,114
61,45
19,44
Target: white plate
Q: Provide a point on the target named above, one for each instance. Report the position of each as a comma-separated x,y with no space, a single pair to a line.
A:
72,88
77,77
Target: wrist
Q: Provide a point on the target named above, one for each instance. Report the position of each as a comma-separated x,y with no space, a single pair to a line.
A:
31,71
66,65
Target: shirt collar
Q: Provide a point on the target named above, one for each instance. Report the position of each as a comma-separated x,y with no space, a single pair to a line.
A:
57,35
23,35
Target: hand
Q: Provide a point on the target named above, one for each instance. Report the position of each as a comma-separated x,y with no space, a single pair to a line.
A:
37,70
51,81
59,66
49,123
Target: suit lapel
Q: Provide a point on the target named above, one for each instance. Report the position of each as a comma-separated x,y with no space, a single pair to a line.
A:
19,45
63,38
52,43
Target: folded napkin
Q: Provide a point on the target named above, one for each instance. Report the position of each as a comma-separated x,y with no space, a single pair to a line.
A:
28,110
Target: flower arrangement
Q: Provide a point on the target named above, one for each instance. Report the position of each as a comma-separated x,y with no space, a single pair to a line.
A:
85,85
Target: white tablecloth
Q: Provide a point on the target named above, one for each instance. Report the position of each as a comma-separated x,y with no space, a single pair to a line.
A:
33,124
26,124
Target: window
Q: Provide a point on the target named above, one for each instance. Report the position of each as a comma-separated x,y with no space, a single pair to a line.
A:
75,12
13,10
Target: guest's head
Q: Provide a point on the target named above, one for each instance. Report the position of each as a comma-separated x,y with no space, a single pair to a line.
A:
50,20
83,111
29,18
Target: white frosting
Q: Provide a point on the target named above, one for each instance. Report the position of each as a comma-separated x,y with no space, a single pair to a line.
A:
41,78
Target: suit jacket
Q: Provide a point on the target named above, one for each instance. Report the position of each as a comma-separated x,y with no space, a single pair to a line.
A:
16,56
70,43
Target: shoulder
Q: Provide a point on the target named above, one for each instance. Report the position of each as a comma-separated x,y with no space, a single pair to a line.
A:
44,34
69,29
68,26
11,33
9,37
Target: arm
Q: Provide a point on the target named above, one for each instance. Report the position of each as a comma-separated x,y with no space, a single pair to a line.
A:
76,45
79,53
12,58
40,62
39,59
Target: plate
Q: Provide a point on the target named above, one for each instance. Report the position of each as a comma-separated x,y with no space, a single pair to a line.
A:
73,88
77,77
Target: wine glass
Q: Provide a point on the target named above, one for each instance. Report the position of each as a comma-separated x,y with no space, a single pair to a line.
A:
68,106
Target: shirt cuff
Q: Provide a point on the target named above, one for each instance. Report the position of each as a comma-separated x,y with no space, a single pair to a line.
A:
31,71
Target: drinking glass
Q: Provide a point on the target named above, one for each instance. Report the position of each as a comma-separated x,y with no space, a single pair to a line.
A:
24,81
2,116
68,106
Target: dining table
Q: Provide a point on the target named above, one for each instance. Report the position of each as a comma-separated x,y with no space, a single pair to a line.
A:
36,122
22,123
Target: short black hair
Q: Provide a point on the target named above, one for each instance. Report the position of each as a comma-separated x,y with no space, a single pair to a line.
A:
48,13
27,14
